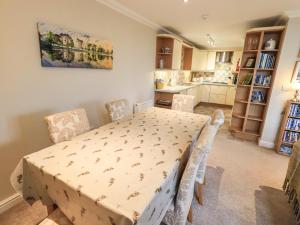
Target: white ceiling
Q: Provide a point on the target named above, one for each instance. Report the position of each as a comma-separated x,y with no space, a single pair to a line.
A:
227,20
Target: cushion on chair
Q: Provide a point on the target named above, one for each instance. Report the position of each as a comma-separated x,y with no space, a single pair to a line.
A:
56,218
66,125
184,103
118,109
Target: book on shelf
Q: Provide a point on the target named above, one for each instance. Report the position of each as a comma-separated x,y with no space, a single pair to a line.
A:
293,124
290,136
248,79
295,110
286,149
262,79
267,61
258,96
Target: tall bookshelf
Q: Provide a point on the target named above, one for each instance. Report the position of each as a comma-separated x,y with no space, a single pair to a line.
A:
289,131
255,81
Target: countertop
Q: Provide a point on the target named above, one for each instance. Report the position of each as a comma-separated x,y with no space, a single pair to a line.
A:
179,88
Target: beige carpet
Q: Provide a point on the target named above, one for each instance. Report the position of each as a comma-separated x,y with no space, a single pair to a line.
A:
243,187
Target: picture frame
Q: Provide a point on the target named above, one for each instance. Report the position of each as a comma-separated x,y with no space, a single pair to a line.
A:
296,73
61,47
250,63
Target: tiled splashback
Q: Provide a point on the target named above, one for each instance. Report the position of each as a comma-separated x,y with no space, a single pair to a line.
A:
173,77
222,73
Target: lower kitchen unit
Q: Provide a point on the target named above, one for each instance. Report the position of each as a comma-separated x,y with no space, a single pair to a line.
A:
209,93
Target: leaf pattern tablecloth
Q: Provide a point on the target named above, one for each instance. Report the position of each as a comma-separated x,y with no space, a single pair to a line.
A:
122,173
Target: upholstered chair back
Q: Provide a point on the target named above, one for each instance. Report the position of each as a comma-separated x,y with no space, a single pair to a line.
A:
207,137
118,109
186,188
205,142
143,106
183,103
66,125
218,118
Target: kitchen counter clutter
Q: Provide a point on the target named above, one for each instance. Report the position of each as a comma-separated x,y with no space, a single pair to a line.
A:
217,93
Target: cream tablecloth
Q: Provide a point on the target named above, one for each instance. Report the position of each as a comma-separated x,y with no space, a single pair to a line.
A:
123,173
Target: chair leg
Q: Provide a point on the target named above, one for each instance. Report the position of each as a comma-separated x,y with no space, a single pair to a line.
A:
199,193
190,215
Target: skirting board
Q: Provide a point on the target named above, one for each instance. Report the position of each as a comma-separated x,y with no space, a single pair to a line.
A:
266,144
10,202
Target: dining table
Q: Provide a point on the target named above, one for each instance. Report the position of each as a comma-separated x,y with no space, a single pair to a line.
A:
123,173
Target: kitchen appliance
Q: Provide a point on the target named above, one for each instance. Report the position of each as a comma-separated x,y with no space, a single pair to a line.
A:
224,57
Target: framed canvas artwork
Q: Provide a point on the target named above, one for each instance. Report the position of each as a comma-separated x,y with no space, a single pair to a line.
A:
296,75
64,48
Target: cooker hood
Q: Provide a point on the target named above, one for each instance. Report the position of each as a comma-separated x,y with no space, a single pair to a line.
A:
224,57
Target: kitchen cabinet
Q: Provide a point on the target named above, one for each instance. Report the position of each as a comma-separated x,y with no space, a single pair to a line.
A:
198,95
203,60
211,60
193,92
218,94
230,96
199,60
236,56
195,59
217,99
177,51
204,93
168,52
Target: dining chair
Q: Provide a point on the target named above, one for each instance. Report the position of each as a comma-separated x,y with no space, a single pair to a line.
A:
56,218
143,106
183,103
118,109
180,210
66,125
209,131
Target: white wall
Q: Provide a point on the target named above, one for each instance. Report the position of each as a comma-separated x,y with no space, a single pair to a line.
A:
29,92
284,73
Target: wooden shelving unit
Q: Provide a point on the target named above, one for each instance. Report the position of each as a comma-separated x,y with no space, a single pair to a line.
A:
249,116
186,57
289,127
166,57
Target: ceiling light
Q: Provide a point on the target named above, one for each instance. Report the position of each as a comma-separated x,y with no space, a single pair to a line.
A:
211,40
185,1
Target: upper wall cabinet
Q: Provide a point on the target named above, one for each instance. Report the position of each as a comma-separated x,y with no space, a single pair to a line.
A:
203,60
168,53
211,60
199,60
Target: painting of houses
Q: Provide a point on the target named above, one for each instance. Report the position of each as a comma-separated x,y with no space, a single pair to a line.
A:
63,48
